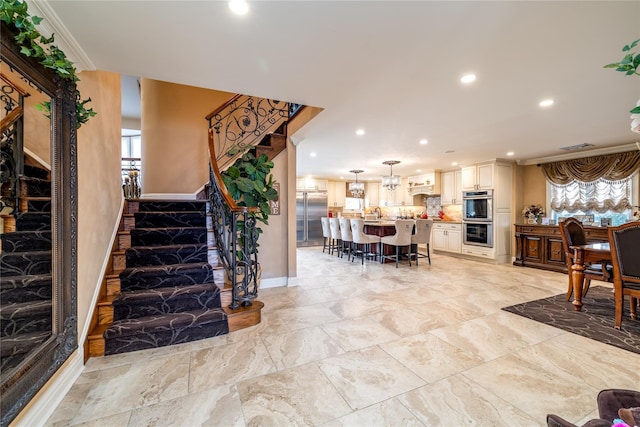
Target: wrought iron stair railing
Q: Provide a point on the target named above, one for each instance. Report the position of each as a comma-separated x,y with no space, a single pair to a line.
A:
234,128
11,142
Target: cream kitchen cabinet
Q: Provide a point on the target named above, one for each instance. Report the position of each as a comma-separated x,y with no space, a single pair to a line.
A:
477,177
372,194
336,193
451,188
447,237
311,184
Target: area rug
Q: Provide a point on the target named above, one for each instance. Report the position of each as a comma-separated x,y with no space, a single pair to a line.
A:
595,321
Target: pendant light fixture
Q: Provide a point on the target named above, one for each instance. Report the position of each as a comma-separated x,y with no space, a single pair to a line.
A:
356,188
391,181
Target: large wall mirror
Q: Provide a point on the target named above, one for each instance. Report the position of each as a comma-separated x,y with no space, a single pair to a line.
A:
38,203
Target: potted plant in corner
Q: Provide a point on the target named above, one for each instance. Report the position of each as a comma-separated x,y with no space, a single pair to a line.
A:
250,184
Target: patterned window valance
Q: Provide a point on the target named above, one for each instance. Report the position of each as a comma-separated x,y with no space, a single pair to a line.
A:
612,167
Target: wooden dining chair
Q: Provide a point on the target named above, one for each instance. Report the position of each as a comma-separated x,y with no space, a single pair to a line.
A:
625,257
572,234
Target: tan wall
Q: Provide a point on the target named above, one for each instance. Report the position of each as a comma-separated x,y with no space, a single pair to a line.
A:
534,189
272,253
175,156
99,184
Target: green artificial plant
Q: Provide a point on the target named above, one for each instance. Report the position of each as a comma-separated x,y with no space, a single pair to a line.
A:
33,44
628,65
250,184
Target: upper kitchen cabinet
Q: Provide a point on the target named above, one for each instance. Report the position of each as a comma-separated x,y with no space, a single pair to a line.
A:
477,177
451,182
424,184
336,193
372,194
311,184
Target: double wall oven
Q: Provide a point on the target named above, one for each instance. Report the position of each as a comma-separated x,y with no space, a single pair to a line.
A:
477,218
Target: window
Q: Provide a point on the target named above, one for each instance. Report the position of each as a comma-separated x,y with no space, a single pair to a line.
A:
131,152
601,198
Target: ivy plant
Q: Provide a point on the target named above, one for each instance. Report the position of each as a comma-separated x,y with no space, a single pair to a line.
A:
32,44
628,65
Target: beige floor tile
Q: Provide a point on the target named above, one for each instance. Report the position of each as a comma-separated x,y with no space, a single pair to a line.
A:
368,376
358,333
228,364
302,346
298,396
219,406
457,401
430,357
388,413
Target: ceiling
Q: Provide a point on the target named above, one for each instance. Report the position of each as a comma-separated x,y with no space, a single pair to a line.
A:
392,68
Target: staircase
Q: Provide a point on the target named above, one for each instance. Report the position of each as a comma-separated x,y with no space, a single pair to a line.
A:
162,290
25,270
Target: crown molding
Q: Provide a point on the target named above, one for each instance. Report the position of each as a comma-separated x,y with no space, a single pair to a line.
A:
581,154
51,24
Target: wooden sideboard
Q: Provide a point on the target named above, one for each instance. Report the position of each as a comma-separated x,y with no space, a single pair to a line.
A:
540,246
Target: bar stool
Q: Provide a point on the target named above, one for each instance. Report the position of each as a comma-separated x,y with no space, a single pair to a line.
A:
404,229
360,238
326,234
422,237
336,237
347,237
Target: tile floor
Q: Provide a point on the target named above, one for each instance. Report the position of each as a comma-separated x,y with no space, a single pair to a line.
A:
366,345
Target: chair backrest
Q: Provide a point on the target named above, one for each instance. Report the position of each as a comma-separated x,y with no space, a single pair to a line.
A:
404,230
625,251
572,234
345,230
357,230
334,224
423,231
326,228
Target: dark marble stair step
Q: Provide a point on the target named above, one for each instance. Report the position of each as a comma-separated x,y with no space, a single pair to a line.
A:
35,187
177,299
33,221
15,289
25,317
164,276
171,205
25,263
168,236
26,241
14,349
170,219
140,256
36,172
168,329
39,204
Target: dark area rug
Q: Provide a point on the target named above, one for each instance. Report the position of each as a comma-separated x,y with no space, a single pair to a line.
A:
595,321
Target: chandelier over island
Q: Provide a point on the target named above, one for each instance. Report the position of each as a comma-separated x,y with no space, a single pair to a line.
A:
391,181
356,188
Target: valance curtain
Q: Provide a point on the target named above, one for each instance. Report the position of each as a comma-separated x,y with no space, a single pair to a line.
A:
600,196
612,168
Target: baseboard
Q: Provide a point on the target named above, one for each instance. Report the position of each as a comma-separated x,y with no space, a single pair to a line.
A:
275,282
103,271
169,196
293,281
38,411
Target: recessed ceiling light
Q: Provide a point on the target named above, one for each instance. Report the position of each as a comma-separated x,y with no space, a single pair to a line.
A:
418,170
546,103
510,153
468,78
454,164
312,154
342,177
423,141
239,7
360,132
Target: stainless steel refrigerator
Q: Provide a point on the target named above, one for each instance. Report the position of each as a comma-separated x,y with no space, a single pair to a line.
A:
310,207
